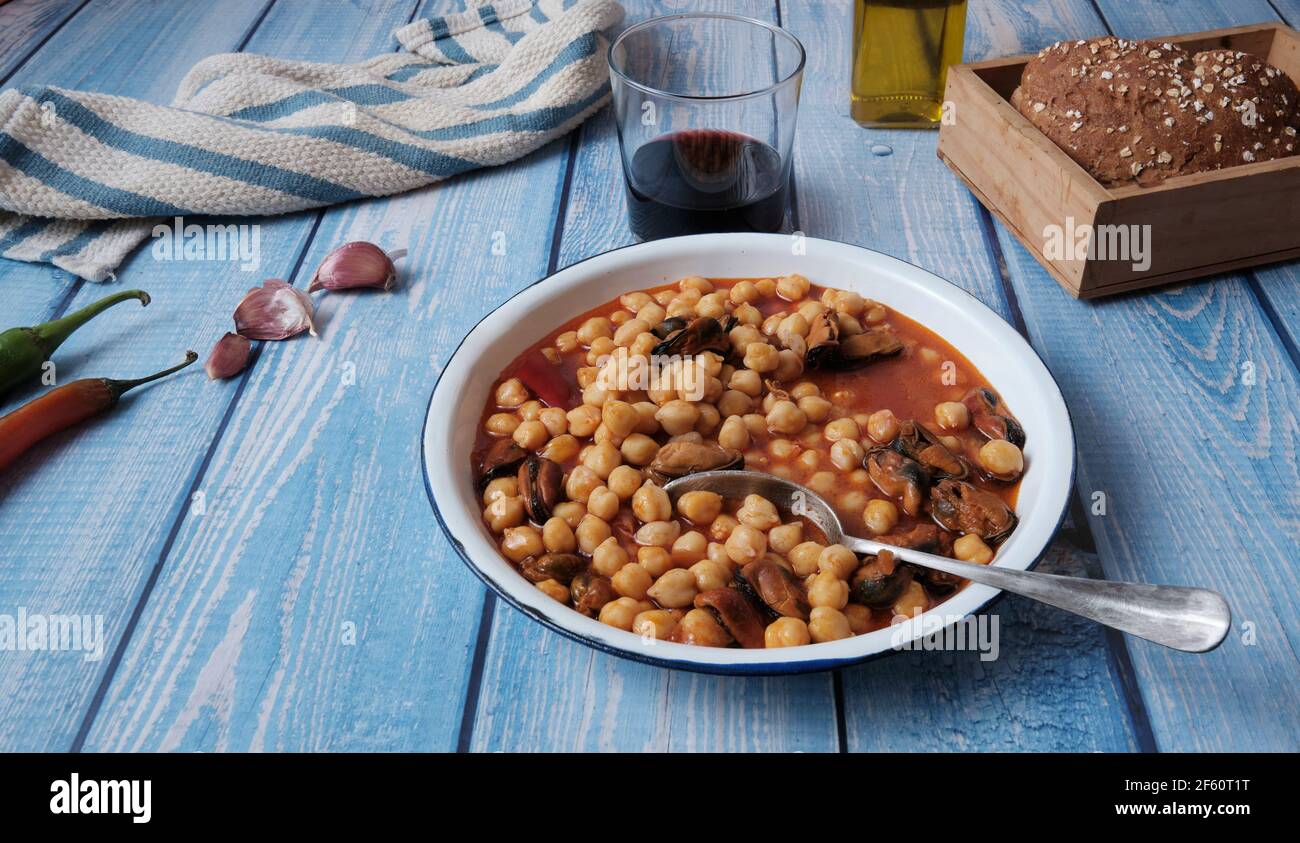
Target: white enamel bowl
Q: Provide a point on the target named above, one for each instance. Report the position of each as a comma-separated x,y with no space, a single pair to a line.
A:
992,345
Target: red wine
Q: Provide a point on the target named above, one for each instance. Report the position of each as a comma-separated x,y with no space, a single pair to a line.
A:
705,180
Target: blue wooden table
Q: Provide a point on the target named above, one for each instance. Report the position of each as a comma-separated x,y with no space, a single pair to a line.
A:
270,574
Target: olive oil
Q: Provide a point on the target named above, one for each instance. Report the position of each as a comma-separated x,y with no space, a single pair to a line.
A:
901,53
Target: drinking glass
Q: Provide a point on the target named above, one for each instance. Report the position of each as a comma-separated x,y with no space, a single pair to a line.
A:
705,106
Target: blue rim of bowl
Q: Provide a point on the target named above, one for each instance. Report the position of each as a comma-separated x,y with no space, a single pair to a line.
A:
739,669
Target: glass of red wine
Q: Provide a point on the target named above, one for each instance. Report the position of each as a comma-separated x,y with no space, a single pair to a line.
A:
705,106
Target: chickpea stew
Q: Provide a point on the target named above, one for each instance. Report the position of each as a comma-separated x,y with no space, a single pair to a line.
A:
883,418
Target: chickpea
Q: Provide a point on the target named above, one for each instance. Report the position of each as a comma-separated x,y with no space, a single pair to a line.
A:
828,624
815,407
1002,458
786,537
792,287
690,547
912,601
786,417
734,403
710,575
653,313
782,449
530,410
743,292
584,419
710,418
952,415
506,487
847,455
504,512
558,536
845,428
593,329
656,623
722,527
849,303
619,417
747,314
580,484
531,435
854,500
624,481
591,531
809,461
786,632
650,503
518,543
620,613
699,507
883,426
634,301
554,590
629,331
972,548
656,560
823,482
639,449
595,396
695,282
828,590
674,590
658,533
745,544
677,416
758,512
699,627
838,560
647,424
747,381
761,357
632,580
734,434
804,558
609,557
859,618
567,342
874,313
880,516
571,511
501,424
766,287
713,305
511,393
603,503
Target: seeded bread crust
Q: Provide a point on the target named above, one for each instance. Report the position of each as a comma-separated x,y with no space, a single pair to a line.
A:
1138,112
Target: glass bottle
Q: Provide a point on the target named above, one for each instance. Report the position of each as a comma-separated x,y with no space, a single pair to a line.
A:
901,53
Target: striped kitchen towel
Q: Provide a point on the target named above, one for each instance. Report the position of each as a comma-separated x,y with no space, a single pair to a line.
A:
82,174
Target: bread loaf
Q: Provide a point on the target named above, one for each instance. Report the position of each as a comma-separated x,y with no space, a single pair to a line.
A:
1138,112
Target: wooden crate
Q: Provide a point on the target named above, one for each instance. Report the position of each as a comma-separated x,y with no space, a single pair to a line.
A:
1200,224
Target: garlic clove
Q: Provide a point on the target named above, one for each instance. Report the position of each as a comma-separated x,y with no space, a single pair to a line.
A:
354,265
274,311
229,357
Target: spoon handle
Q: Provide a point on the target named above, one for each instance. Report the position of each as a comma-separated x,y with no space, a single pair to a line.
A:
1192,619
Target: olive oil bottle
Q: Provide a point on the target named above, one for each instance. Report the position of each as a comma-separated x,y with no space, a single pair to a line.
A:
901,53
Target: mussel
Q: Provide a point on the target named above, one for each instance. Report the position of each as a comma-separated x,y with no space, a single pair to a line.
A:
737,613
700,335
851,352
879,583
683,457
917,442
561,567
991,419
501,460
590,592
923,537
778,589
898,476
669,326
541,485
823,341
963,508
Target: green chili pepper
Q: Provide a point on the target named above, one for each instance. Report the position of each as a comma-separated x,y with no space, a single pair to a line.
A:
23,351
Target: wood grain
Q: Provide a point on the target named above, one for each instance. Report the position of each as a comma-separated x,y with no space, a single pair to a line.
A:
1197,465
317,523
24,24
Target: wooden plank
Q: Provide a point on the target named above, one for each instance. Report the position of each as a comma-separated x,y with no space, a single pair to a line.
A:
24,24
317,525
84,517
542,692
1196,460
1053,686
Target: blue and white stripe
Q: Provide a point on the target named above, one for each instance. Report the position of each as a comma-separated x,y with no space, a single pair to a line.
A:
82,174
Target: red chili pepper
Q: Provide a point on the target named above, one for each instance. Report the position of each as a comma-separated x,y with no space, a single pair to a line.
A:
546,380
63,407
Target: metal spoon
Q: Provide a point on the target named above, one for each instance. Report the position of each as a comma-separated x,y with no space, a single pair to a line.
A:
1191,619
